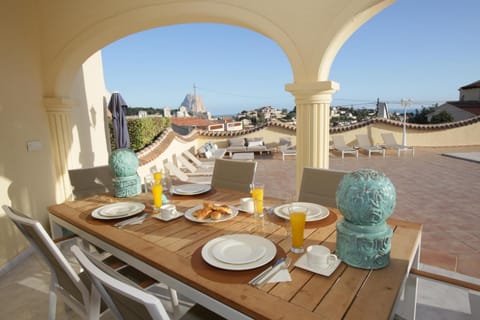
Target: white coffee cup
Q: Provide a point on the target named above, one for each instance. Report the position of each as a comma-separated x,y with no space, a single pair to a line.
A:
168,211
246,204
320,257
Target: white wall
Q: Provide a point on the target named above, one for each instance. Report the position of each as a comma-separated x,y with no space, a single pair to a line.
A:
26,178
90,146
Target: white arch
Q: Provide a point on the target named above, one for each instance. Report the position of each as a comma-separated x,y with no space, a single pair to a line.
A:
100,34
310,42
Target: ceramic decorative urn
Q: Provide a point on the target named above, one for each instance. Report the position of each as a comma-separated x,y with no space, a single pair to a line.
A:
124,164
366,198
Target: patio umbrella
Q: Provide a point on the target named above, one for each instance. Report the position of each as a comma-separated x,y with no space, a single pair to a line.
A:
118,108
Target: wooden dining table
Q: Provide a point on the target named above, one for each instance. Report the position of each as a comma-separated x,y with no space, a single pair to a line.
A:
170,252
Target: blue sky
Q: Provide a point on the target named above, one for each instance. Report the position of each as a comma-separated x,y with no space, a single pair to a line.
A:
423,49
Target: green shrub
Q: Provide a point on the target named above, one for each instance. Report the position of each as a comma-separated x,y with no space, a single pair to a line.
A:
142,131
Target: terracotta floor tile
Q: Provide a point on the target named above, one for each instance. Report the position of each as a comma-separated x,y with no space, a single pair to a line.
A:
441,260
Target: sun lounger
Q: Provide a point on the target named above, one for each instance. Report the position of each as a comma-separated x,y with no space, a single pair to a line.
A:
191,169
339,145
197,162
365,144
175,171
390,142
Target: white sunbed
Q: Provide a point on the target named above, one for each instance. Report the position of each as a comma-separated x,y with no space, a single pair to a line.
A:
390,142
339,145
365,144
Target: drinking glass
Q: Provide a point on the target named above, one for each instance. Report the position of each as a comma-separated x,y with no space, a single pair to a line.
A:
257,196
298,216
157,191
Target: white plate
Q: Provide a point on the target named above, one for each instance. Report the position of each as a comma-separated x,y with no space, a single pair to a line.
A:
270,252
238,249
315,211
225,217
118,210
302,263
191,189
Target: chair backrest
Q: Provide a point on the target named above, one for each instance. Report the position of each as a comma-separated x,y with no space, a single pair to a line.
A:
233,175
389,139
65,276
320,186
338,141
90,181
363,140
124,300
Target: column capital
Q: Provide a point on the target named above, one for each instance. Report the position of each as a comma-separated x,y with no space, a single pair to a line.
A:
57,104
313,92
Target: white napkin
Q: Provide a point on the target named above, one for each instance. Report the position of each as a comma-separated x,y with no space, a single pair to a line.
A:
281,276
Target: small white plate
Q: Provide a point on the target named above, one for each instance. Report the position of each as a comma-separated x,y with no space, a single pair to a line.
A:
315,211
159,216
191,189
270,252
303,263
118,210
225,217
238,250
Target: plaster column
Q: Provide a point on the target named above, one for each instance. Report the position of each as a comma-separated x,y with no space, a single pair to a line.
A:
313,123
58,111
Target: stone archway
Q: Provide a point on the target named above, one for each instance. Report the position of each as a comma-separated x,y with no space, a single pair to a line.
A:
310,33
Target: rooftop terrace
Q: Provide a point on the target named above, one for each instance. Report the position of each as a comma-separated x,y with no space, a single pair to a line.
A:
438,191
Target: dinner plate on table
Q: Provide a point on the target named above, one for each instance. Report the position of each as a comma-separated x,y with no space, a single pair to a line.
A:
118,210
189,215
191,189
238,252
315,211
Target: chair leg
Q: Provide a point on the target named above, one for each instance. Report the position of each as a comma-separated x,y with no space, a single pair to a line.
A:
174,299
52,302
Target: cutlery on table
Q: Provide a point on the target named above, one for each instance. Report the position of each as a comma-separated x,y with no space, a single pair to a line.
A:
268,272
276,268
135,220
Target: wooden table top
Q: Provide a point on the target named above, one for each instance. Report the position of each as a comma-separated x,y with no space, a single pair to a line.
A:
173,248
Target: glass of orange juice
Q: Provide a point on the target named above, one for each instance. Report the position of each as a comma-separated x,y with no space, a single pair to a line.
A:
298,216
257,196
157,190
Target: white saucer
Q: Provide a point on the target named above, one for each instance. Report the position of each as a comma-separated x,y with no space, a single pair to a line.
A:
302,263
159,216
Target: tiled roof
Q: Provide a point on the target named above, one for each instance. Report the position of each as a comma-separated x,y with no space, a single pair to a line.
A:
469,106
191,122
472,85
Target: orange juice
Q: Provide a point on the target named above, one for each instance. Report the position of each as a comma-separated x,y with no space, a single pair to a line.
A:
157,190
257,195
297,221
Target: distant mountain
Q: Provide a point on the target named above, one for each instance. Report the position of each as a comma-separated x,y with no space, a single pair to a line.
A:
194,103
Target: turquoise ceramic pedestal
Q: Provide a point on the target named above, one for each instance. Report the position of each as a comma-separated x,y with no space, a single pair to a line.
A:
124,164
366,198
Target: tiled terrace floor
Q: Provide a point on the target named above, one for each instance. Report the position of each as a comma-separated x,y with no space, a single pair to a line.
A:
440,192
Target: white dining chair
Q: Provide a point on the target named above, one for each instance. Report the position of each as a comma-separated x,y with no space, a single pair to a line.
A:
128,302
320,186
72,286
233,174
